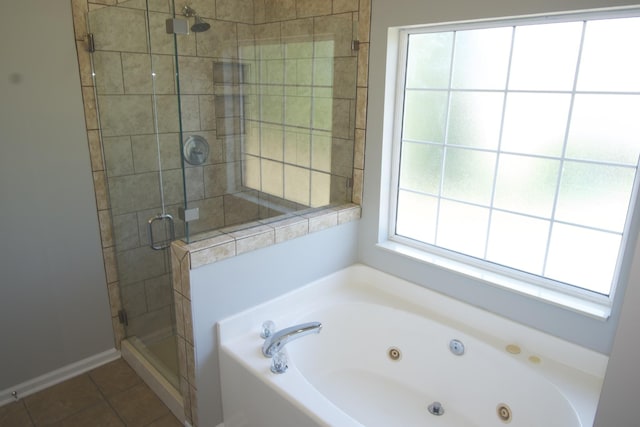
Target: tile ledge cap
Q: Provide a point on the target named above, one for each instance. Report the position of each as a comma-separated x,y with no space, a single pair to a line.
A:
212,242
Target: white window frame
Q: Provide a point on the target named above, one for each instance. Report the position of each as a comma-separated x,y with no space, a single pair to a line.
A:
574,298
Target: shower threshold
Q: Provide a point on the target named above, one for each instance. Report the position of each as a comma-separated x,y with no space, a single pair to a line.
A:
137,356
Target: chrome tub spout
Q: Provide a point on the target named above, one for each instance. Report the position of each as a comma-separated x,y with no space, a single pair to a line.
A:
276,342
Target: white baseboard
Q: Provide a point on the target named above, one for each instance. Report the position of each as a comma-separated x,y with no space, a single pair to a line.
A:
55,377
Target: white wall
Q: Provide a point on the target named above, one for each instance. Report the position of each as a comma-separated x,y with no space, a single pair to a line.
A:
230,286
53,307
589,332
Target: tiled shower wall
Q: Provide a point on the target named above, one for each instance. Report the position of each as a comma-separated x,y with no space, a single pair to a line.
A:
301,85
231,27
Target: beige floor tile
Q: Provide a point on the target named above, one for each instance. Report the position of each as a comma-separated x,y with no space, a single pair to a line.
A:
62,400
167,421
114,377
100,415
112,395
138,406
15,415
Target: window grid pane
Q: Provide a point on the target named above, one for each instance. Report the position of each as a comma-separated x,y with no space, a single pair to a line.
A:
527,179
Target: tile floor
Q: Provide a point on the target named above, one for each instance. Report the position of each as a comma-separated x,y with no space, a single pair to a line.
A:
112,395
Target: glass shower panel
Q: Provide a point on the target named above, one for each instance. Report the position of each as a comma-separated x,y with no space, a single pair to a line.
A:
137,101
274,98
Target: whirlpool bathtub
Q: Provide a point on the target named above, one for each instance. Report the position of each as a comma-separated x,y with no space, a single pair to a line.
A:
391,353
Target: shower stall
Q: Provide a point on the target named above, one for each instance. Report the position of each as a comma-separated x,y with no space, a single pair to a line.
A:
215,113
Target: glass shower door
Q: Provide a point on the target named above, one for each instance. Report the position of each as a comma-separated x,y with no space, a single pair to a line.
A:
273,92
138,110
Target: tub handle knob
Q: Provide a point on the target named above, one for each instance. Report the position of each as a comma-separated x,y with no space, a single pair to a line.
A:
279,362
268,328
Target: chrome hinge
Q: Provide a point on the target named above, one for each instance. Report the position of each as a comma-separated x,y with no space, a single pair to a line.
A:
91,43
122,317
188,215
355,44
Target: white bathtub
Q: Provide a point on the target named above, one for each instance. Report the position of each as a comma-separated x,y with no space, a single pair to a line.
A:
345,376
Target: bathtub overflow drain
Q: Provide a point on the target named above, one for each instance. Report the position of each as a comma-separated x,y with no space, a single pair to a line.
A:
394,353
504,412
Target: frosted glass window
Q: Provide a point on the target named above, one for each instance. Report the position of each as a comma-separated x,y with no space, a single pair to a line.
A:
474,119
462,228
468,175
526,185
481,58
535,123
610,59
417,215
570,260
518,241
545,56
425,116
605,128
595,195
429,60
519,146
421,167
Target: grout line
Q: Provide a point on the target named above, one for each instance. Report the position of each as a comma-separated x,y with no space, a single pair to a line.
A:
73,413
26,408
107,401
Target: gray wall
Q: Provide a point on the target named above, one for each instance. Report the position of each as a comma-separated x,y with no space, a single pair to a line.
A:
589,332
54,307
230,286
619,399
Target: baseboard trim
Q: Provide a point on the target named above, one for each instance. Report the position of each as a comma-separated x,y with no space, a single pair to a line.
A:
59,375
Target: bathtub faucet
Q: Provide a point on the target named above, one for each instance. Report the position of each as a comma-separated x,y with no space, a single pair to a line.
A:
276,341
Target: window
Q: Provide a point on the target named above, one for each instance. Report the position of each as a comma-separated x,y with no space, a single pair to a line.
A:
518,144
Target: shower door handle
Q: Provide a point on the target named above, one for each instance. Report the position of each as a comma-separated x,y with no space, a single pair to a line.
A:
169,235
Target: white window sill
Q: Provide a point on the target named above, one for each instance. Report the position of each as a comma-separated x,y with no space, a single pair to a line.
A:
600,310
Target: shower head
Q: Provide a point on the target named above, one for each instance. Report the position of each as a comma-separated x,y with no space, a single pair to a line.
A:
199,25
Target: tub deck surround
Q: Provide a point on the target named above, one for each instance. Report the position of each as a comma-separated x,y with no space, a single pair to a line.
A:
342,375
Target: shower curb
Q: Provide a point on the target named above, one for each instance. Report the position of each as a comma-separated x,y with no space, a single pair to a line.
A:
160,386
